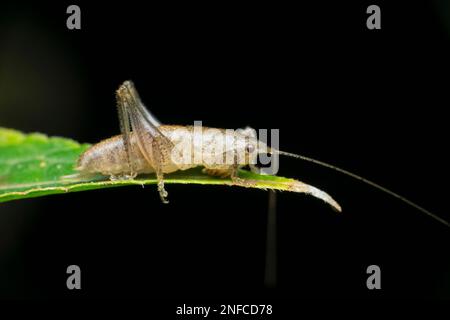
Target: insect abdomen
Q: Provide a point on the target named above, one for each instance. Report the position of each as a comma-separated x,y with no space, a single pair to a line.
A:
109,158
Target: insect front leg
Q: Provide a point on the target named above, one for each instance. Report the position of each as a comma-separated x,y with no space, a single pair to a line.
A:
235,168
235,174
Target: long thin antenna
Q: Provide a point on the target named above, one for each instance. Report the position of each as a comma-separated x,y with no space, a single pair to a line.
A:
371,183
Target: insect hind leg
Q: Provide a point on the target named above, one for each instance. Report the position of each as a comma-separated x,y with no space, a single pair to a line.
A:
162,191
159,153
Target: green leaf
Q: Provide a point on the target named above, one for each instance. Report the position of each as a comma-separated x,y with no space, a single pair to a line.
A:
33,165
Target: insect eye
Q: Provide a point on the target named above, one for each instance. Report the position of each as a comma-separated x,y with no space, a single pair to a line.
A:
249,148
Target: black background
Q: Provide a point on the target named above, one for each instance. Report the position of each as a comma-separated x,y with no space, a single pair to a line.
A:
371,101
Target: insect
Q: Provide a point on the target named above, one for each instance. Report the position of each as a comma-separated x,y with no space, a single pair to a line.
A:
147,146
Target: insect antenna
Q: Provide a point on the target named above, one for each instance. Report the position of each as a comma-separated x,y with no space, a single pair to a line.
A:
371,183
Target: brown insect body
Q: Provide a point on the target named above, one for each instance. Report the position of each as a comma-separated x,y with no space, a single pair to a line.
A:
109,157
